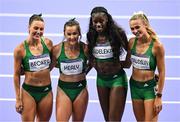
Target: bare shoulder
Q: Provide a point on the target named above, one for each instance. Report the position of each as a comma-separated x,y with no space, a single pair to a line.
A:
19,51
131,42
57,49
158,47
48,42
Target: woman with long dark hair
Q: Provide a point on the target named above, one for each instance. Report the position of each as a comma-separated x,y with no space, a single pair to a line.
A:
107,42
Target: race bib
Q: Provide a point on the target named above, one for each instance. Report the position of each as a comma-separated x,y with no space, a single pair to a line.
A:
102,52
72,67
140,62
37,63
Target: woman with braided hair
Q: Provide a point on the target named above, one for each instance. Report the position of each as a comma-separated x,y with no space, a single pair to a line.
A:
147,53
107,42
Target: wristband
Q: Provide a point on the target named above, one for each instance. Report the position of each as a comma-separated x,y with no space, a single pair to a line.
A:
159,95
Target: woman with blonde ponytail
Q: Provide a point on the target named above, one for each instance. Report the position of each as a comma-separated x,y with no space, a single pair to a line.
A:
147,53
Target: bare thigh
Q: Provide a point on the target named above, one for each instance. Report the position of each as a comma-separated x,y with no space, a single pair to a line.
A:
29,107
63,106
103,94
44,109
117,103
80,106
149,110
139,110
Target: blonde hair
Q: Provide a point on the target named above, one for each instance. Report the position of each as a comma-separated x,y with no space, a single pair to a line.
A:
141,15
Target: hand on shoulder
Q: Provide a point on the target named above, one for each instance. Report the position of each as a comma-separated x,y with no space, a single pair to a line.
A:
85,47
57,49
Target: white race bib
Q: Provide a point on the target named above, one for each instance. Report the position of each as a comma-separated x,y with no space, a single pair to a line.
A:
37,63
102,52
140,62
72,67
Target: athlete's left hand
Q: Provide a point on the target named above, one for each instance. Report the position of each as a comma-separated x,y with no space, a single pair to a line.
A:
157,105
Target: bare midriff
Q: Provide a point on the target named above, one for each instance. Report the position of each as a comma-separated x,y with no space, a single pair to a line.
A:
107,68
39,78
142,75
72,78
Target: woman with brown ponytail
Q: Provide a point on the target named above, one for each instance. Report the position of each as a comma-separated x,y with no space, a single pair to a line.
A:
71,56
147,53
34,100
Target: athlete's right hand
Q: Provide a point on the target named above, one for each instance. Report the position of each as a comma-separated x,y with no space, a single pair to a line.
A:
19,106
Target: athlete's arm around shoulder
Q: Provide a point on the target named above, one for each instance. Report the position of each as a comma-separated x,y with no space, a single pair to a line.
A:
86,52
127,62
49,45
19,53
159,53
85,48
56,50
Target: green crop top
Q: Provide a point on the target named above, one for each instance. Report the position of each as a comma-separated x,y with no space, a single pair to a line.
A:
146,61
36,63
72,66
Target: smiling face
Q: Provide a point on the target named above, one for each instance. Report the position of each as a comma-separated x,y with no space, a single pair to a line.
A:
99,21
36,29
138,27
72,34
